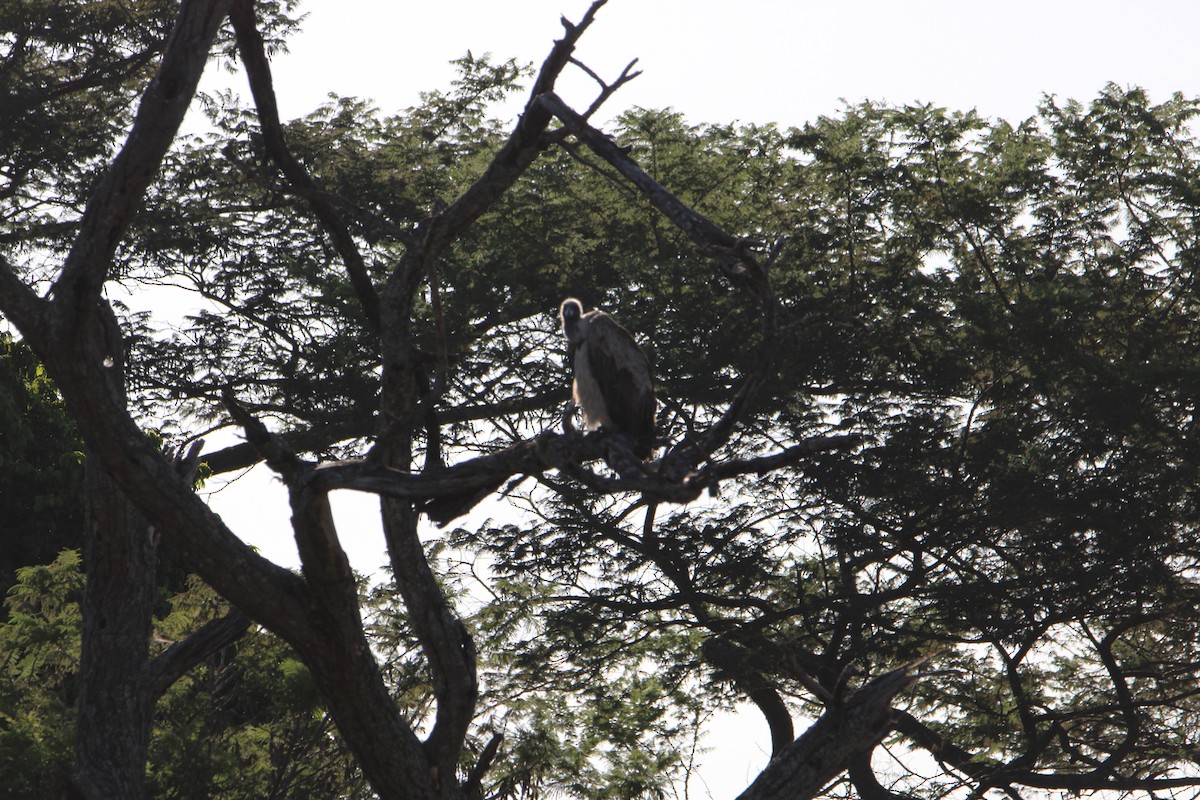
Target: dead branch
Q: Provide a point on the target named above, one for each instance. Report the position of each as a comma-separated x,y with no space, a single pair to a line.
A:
606,89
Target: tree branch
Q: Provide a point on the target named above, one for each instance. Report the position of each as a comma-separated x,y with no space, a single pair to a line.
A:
244,454
731,662
174,662
695,225
258,72
827,747
21,305
552,450
112,205
990,773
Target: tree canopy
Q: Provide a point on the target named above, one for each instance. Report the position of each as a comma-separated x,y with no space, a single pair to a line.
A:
925,494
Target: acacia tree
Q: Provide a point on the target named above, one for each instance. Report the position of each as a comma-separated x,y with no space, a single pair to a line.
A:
918,439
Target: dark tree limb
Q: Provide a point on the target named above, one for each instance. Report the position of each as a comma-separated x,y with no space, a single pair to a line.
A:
21,304
181,657
825,750
258,71
444,639
731,662
473,786
76,339
244,454
336,650
990,773
112,205
549,451
510,162
866,784
319,437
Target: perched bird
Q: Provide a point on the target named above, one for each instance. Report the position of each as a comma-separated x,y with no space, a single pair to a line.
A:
612,383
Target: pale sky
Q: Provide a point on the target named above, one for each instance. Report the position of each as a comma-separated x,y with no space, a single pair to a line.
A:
761,60
754,61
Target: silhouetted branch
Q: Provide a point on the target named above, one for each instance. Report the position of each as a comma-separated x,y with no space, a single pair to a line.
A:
111,207
548,451
825,750
258,71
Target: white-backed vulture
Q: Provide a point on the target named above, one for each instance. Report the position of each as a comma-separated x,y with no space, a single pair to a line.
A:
612,382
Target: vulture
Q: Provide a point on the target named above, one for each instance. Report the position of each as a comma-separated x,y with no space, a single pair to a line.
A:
612,383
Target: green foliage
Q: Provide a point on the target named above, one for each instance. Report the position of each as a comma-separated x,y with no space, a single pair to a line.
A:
1007,314
39,652
41,466
245,724
71,69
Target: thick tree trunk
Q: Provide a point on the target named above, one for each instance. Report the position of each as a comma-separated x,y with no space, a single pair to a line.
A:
113,720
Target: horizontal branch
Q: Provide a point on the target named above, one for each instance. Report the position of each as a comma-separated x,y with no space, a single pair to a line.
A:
318,437
990,773
550,451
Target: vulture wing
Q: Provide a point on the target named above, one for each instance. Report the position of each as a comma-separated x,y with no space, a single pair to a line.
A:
623,374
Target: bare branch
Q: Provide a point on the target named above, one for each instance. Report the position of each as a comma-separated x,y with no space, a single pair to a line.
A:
521,148
473,787
318,437
548,451
696,226
294,470
606,89
731,662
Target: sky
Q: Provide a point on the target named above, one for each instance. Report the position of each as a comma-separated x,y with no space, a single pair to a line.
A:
760,61
751,61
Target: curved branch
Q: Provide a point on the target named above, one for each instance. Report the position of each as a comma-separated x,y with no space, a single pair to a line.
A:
112,205
258,71
732,662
